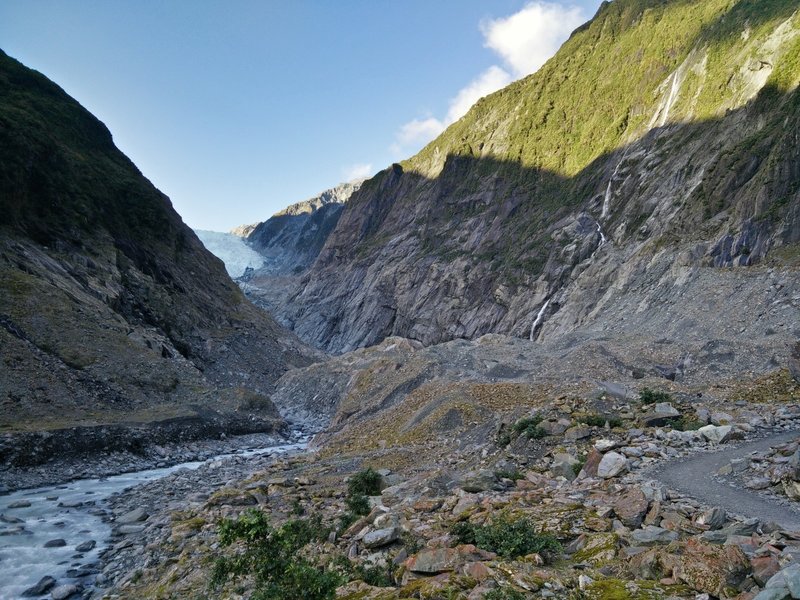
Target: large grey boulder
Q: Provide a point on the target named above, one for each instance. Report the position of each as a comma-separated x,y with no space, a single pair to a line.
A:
716,434
611,465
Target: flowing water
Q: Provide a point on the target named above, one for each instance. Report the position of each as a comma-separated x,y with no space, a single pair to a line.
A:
72,512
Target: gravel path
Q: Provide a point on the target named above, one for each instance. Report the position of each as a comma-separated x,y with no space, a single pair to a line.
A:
693,475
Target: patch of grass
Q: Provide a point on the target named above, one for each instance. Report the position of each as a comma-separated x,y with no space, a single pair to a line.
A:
366,481
508,538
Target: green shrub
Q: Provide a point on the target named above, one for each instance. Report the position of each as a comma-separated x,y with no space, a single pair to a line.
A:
648,396
598,420
508,538
512,474
366,482
358,504
529,426
272,558
684,423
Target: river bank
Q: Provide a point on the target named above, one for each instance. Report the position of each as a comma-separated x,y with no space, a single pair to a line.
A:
62,539
157,456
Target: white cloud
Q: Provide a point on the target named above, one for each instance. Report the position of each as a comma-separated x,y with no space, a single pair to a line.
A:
526,39
419,130
487,82
357,171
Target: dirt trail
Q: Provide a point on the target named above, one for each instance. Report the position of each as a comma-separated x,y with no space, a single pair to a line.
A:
692,475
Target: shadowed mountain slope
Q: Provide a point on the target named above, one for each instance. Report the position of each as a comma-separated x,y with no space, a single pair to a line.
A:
660,142
111,309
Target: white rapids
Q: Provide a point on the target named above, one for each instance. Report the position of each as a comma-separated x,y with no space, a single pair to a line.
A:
72,512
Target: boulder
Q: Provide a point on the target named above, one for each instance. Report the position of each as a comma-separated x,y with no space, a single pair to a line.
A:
57,543
631,507
578,432
713,518
592,463
652,535
764,567
611,465
555,426
65,591
564,465
716,570
716,434
134,516
381,537
432,561
41,588
86,546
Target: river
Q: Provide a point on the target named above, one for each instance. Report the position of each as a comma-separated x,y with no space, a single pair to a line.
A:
42,528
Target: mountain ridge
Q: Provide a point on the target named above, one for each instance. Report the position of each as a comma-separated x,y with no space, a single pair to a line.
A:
112,311
507,214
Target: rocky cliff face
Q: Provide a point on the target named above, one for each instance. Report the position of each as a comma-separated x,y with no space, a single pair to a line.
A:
654,159
291,239
111,310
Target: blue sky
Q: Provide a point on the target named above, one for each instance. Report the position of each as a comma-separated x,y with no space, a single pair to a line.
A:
237,109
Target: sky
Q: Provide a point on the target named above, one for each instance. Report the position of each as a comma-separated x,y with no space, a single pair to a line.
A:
236,109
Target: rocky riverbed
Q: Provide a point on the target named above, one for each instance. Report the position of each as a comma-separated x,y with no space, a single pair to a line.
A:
595,487
151,457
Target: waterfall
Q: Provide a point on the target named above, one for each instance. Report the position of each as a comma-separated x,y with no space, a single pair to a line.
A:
538,320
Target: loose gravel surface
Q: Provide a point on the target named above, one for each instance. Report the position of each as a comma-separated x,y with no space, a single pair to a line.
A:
694,476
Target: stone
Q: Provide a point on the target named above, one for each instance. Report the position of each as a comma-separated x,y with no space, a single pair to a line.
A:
597,549
713,518
578,432
791,575
134,516
666,409
432,561
764,567
86,546
651,535
63,592
631,507
604,445
563,464
721,418
41,588
57,543
757,483
479,481
716,434
716,570
129,529
611,465
555,427
20,504
592,463
381,537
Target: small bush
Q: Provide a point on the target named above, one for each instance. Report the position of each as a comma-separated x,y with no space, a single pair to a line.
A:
685,423
512,474
508,538
272,558
366,482
648,396
358,504
598,420
529,427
